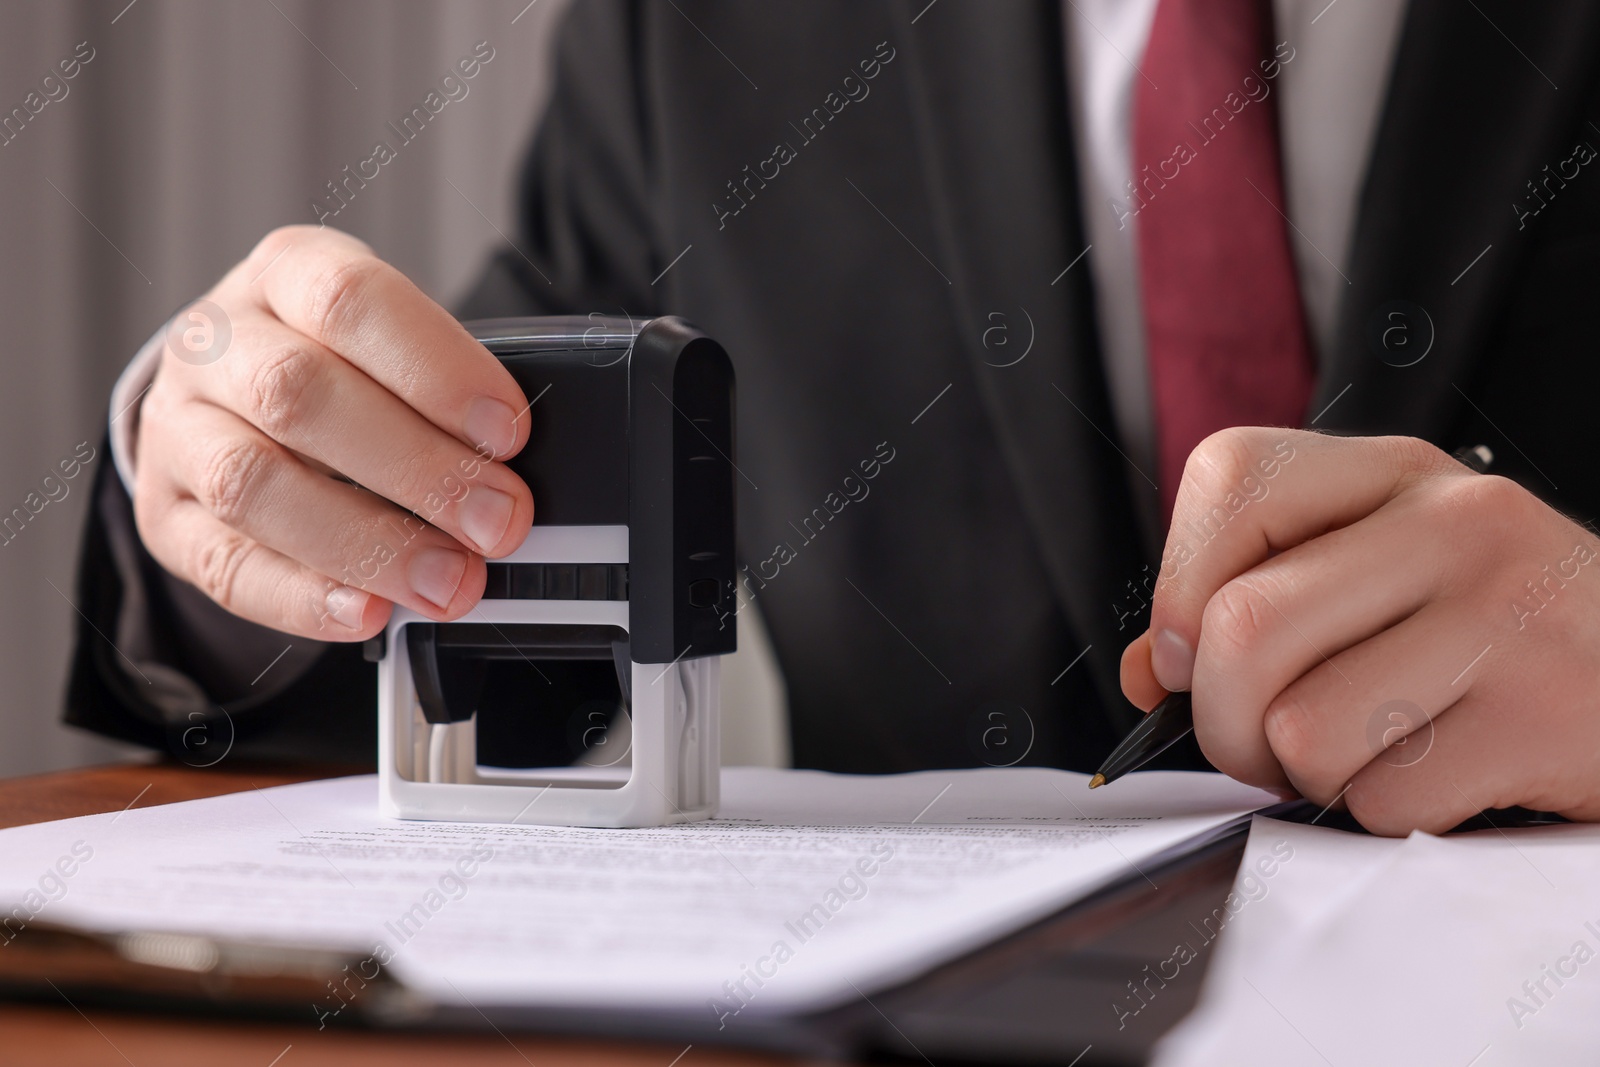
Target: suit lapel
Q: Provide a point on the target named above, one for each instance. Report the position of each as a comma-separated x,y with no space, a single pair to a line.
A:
1467,123
990,110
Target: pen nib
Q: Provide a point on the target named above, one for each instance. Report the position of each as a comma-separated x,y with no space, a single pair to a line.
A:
1097,781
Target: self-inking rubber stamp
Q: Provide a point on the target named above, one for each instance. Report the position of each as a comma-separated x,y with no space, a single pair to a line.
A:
607,625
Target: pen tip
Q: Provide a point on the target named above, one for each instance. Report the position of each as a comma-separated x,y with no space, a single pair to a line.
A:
1097,781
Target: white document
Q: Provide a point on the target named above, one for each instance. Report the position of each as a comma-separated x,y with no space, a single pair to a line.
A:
1479,948
809,889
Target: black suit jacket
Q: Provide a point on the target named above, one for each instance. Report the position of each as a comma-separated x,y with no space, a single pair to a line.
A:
854,241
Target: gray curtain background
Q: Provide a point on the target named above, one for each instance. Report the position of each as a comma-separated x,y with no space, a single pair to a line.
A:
197,126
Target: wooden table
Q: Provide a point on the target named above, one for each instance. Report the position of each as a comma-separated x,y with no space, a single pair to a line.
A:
69,1037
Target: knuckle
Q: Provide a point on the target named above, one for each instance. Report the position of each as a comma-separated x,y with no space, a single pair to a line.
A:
277,241
228,484
302,236
150,508
336,294
1225,457
1236,618
1416,455
1502,501
144,474
1486,503
281,383
157,408
423,479
1228,450
155,491
214,566
144,509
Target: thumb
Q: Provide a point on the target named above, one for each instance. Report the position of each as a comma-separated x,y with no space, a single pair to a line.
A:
1139,683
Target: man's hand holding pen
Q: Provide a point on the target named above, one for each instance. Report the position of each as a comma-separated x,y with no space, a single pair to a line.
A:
1372,574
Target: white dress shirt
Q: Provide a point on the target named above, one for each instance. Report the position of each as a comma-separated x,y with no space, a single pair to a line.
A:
1328,95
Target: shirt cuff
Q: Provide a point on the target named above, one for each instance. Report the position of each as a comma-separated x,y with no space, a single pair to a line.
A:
127,396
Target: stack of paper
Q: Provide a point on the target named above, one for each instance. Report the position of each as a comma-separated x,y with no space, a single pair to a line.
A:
808,890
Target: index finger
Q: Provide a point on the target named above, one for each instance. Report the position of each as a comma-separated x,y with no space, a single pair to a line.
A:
1250,492
332,288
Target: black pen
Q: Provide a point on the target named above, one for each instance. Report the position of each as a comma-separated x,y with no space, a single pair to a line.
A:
1170,722
1173,719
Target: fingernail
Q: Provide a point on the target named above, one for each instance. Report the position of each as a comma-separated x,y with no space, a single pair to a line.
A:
485,514
1172,660
346,606
436,575
491,425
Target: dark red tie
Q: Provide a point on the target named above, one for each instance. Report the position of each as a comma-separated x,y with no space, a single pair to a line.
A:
1223,322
